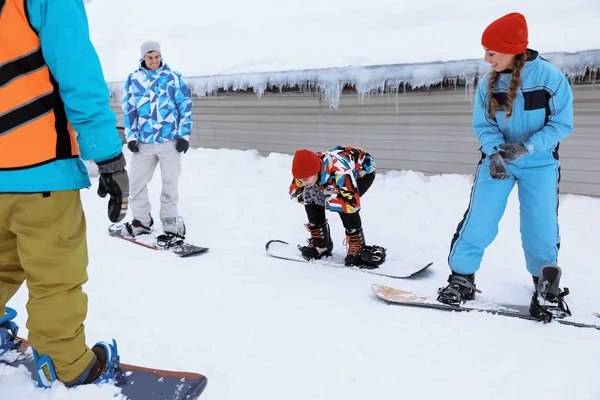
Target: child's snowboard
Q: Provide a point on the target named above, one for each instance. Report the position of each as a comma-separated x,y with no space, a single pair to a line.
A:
391,268
181,249
135,382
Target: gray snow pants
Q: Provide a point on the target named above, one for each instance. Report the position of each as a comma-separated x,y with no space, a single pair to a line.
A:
143,164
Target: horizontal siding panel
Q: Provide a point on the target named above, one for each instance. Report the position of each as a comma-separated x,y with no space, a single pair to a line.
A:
427,132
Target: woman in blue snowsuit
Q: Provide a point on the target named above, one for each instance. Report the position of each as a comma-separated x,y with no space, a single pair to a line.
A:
523,109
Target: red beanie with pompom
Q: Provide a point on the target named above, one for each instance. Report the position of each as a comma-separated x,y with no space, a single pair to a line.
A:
507,34
305,164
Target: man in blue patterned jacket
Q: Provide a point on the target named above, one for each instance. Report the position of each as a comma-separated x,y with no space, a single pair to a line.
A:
158,122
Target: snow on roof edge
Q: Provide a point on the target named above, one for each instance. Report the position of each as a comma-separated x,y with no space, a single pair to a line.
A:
375,78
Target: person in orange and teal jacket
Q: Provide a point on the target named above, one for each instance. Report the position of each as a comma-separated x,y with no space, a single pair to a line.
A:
335,180
54,111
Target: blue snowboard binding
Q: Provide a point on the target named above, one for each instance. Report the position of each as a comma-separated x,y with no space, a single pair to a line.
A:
46,373
8,330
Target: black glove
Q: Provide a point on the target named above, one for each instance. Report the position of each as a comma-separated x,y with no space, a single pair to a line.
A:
312,194
182,145
497,167
115,182
513,151
133,146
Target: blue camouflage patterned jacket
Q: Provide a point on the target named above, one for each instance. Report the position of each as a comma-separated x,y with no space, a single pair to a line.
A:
157,106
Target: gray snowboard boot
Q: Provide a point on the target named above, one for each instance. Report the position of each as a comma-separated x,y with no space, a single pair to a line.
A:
174,233
174,227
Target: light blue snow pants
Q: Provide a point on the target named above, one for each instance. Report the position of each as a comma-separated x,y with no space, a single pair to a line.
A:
537,176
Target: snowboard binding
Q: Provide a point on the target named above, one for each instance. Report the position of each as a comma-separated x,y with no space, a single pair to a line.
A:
8,331
460,288
169,240
372,255
548,301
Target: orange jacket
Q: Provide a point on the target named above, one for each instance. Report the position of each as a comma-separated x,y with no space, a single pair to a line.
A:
33,126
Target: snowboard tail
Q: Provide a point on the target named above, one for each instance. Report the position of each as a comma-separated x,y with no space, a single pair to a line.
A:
400,297
390,268
136,382
180,248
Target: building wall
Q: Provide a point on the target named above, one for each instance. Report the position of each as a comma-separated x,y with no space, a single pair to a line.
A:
428,131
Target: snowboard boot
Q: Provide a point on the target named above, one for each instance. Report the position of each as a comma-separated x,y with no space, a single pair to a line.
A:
460,288
8,331
136,228
359,254
174,235
102,370
319,244
548,299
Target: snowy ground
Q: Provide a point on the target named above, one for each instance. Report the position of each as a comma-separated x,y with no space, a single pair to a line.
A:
262,328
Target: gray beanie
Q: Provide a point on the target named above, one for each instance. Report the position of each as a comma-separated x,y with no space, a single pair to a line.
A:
149,46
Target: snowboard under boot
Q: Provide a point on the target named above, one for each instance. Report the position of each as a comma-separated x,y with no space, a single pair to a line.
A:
460,288
548,302
319,244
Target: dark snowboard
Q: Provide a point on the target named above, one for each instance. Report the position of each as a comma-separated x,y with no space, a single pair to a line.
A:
135,382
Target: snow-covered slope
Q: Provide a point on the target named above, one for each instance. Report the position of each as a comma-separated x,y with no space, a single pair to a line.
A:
262,328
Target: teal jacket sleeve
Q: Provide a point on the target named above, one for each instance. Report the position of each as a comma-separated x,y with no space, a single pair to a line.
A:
70,55
560,120
487,130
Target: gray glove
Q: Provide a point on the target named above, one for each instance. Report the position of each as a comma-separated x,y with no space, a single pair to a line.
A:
115,182
314,195
513,151
497,167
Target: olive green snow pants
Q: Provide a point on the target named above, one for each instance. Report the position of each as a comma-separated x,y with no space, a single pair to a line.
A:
43,240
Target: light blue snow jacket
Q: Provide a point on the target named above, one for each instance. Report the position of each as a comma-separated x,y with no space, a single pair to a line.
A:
542,111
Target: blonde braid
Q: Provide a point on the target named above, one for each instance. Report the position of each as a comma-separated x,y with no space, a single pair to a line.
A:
493,103
515,83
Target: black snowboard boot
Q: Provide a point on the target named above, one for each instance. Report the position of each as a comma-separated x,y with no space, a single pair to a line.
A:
319,244
548,299
460,288
359,254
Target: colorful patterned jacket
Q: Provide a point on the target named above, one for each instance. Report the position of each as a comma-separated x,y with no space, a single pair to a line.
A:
341,167
157,106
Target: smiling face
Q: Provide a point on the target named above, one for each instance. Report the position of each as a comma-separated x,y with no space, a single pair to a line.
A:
499,61
310,181
152,60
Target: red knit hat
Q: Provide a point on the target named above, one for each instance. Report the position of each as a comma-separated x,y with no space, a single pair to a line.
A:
507,34
305,164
